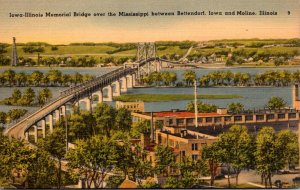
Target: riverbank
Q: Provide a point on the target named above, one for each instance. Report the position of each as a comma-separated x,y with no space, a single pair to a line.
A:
177,67
170,97
223,66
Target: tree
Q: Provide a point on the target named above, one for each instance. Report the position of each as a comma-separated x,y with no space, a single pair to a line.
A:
55,144
114,181
171,183
288,146
16,95
15,114
189,77
36,78
202,107
81,126
41,170
132,160
236,149
54,48
35,165
55,76
276,103
156,77
3,117
105,118
77,78
21,78
212,154
94,159
44,95
173,78
165,158
125,157
139,127
267,155
123,119
28,97
9,76
235,107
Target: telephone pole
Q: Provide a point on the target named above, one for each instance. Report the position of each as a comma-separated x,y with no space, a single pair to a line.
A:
196,108
14,60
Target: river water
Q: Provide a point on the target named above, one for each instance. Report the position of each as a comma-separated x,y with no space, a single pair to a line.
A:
253,97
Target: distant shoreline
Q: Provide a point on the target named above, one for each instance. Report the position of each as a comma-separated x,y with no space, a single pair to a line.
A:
174,68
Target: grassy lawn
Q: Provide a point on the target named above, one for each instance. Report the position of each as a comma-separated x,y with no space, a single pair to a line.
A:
68,49
170,97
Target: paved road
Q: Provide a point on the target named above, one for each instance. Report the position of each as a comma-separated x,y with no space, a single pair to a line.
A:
18,130
252,176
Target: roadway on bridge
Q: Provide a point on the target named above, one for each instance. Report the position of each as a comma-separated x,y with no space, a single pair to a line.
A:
18,130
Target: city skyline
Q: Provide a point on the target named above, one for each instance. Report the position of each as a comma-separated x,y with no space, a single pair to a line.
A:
64,30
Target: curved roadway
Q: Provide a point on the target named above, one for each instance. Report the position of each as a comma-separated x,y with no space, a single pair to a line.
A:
18,130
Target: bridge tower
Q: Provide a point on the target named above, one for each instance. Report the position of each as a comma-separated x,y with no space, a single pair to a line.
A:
147,59
146,51
14,60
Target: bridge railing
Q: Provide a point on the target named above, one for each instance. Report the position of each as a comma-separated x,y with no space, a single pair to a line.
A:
35,120
29,114
78,88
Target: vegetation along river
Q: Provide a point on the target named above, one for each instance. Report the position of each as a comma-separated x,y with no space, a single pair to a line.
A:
253,97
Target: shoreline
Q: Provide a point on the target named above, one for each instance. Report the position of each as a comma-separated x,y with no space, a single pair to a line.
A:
183,67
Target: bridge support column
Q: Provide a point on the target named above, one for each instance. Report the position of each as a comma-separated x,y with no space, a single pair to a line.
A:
133,80
43,123
77,107
35,133
129,81
124,84
57,115
88,103
50,123
158,66
62,110
26,135
117,91
109,94
100,96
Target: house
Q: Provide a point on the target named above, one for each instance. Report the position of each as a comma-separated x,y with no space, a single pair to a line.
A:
138,106
185,143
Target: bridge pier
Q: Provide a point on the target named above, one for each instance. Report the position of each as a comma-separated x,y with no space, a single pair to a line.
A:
88,103
109,97
99,94
129,81
35,133
133,79
123,84
117,91
43,123
50,122
158,66
26,135
57,115
62,111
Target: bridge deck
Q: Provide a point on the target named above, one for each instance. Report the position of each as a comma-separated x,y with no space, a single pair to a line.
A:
18,130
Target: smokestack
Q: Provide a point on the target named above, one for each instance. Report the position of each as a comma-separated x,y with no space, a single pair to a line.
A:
151,129
299,140
196,108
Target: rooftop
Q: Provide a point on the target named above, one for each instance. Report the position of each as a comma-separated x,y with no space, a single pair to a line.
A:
184,114
190,135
